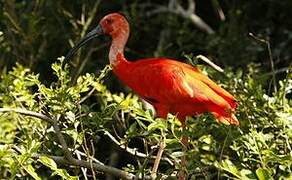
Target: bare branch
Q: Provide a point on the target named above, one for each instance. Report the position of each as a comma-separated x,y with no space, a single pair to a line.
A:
86,59
218,9
162,145
63,142
267,43
96,166
87,95
189,13
91,158
134,152
277,71
28,113
208,61
90,18
192,6
197,21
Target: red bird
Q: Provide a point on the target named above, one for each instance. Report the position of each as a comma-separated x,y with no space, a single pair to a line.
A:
170,86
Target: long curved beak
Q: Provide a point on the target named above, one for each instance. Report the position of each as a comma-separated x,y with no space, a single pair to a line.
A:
92,34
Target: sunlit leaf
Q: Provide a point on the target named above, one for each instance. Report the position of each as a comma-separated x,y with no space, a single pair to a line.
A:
31,171
263,174
48,162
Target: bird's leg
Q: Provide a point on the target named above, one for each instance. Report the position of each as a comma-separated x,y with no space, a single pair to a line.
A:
159,155
184,141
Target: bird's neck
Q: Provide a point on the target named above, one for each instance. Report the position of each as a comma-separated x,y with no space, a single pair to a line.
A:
121,67
116,54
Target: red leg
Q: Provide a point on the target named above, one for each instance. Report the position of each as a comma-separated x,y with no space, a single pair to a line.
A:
185,143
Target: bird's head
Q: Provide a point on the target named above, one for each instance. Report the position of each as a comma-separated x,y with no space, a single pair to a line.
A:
113,24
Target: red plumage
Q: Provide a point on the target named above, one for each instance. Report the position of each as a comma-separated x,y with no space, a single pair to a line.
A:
177,88
170,86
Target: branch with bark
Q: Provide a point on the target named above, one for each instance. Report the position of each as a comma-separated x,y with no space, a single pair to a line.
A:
135,152
68,159
188,13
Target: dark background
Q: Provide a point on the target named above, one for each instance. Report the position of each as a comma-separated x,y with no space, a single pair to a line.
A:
35,33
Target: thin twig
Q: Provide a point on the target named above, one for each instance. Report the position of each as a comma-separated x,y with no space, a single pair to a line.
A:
132,151
267,43
281,70
87,95
93,153
208,61
87,23
162,146
96,166
192,6
90,18
28,113
85,26
84,170
218,9
221,153
86,149
86,59
272,65
85,155
287,79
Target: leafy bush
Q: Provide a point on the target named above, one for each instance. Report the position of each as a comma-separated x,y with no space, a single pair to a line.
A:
259,148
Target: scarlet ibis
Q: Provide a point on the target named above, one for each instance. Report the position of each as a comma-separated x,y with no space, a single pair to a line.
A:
170,86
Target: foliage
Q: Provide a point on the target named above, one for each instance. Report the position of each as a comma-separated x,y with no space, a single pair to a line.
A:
259,148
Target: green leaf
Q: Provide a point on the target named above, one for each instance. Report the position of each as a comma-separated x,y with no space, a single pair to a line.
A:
263,174
53,166
228,166
247,174
64,174
31,171
71,116
48,162
77,136
157,124
132,130
177,154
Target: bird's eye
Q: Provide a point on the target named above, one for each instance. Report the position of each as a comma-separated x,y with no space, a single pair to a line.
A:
109,21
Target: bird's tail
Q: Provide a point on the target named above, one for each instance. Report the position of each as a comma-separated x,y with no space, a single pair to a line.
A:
226,119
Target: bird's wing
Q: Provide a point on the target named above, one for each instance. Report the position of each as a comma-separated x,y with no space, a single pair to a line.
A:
220,91
195,73
168,81
202,89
